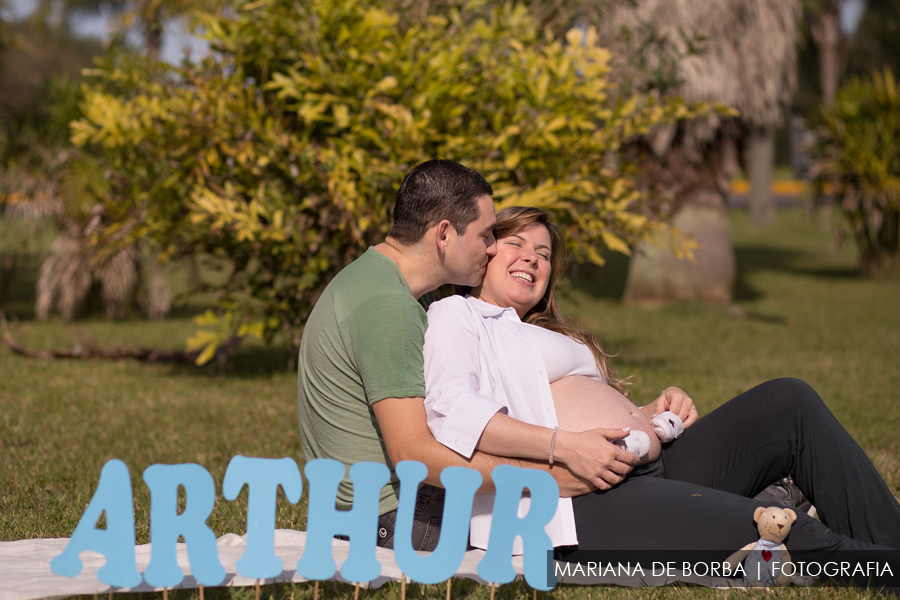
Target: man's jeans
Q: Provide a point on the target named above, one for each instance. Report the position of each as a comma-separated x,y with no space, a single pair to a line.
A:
426,522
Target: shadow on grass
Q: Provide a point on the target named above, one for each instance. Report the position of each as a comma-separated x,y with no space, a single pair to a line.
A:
249,362
18,285
608,282
766,258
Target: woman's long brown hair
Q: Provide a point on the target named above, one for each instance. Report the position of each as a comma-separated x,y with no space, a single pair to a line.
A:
546,312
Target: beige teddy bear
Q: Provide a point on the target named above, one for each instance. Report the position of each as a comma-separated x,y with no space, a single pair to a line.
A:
766,560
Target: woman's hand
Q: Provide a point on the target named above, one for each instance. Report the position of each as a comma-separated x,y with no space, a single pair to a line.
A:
674,400
590,455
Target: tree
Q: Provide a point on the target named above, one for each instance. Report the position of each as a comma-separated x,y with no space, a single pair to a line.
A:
37,76
831,42
46,182
283,151
877,40
5,36
830,52
859,158
696,157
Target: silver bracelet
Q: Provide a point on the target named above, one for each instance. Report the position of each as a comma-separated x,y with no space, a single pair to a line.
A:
553,443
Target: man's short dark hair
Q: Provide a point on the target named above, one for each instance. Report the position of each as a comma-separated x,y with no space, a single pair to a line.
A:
433,191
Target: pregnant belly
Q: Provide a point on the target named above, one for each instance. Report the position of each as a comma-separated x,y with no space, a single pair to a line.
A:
583,403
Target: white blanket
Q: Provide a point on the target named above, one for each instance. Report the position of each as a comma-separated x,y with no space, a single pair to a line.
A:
25,568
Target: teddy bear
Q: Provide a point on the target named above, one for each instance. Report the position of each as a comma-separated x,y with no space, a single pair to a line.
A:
766,560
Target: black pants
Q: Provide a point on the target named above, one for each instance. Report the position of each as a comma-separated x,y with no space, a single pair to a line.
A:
698,495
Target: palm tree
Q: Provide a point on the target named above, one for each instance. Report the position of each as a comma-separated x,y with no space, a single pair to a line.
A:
44,180
748,63
831,42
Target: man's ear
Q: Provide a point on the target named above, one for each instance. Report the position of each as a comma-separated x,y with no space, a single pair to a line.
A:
442,235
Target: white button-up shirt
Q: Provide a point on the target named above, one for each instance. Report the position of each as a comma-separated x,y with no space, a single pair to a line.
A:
481,359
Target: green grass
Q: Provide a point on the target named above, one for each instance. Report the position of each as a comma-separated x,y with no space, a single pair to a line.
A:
803,311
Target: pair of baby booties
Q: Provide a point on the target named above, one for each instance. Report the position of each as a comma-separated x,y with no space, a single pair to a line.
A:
667,426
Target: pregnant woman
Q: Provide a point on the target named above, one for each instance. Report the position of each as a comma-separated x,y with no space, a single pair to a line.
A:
505,374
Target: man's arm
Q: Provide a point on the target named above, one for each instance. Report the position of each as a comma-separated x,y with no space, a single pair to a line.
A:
406,437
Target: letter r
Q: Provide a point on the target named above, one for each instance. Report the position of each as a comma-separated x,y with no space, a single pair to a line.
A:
510,483
166,525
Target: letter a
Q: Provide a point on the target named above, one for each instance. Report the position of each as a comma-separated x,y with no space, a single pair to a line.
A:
461,484
511,482
116,543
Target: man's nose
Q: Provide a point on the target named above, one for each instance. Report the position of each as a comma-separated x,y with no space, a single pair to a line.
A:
492,245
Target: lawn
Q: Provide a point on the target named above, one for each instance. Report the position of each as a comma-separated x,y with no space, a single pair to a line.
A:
801,310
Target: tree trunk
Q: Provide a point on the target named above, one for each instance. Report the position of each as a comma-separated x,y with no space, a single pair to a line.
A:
826,32
154,29
656,275
760,169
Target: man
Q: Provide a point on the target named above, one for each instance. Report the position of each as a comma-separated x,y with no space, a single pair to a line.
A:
360,377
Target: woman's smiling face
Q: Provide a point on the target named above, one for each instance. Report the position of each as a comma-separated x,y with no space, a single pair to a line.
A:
518,274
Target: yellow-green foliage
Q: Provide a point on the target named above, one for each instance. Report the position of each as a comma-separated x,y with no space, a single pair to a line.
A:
284,150
859,146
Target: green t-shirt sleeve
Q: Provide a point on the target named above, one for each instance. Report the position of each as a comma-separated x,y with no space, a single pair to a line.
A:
386,335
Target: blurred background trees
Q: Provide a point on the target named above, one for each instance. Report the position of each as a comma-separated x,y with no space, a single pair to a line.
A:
859,158
47,182
281,150
697,158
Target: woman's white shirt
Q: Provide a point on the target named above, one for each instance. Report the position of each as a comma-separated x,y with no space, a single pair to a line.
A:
481,359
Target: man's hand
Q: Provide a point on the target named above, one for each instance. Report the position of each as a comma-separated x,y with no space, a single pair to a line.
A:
674,400
590,455
406,437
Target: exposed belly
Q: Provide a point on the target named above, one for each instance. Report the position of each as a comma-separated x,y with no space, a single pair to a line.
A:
583,403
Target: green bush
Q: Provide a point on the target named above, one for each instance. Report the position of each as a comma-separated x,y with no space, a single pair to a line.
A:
283,151
859,158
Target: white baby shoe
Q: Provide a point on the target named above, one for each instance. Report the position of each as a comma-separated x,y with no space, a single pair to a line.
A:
667,425
637,442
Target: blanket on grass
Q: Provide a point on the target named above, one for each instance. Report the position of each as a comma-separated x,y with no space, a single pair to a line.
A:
25,568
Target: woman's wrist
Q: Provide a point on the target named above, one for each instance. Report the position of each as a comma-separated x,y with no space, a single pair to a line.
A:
553,444
562,447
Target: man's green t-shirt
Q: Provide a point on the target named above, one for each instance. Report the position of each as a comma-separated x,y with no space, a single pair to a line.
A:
361,344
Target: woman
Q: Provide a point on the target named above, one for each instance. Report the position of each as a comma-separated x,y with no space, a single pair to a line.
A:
503,371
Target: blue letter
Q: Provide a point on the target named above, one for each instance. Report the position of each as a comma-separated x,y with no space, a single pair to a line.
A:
360,523
166,525
116,543
262,476
506,525
461,485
